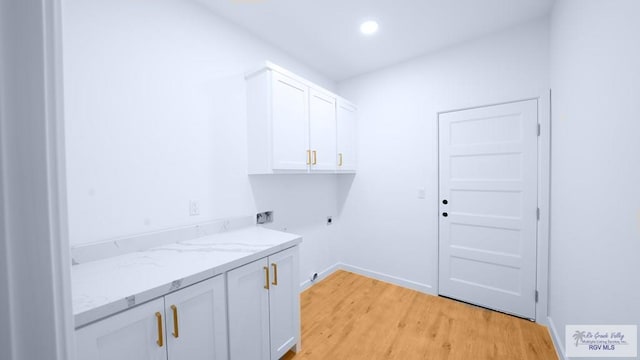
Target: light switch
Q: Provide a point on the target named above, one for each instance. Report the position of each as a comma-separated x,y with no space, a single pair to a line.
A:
421,193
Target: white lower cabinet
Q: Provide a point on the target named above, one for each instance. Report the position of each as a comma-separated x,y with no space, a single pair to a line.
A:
131,335
196,321
264,308
187,324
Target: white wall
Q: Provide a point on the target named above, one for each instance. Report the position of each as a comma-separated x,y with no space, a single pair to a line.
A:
386,228
595,214
156,117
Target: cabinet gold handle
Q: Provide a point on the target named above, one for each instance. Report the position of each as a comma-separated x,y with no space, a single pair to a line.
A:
275,274
175,321
340,159
266,276
308,157
315,157
160,341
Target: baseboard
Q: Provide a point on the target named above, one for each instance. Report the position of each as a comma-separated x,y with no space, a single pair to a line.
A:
557,341
423,288
321,276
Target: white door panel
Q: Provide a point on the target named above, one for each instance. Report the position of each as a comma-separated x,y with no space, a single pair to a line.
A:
346,136
488,177
196,321
248,304
136,334
322,133
290,123
284,301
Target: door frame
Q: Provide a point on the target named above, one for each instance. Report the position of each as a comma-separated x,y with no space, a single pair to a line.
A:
544,191
37,124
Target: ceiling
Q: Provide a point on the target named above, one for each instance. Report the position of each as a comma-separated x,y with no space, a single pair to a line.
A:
324,34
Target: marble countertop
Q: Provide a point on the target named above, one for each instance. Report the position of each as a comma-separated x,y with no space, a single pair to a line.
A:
104,287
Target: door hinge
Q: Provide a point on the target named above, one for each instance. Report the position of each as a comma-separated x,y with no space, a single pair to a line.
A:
538,213
536,295
538,129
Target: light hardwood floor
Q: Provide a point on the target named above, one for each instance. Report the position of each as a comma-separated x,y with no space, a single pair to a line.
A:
348,316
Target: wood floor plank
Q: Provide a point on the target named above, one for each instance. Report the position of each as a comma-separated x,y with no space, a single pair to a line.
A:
348,316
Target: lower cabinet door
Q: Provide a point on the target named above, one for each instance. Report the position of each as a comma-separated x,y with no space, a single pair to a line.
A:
248,304
196,319
136,334
284,303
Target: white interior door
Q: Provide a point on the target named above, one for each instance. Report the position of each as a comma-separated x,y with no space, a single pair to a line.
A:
488,206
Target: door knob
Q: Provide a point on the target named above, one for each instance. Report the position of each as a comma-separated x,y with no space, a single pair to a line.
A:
445,214
445,201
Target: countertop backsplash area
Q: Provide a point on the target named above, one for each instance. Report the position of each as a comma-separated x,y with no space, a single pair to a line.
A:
123,245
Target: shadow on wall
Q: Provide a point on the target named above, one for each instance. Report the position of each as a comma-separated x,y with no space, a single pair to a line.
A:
298,201
345,182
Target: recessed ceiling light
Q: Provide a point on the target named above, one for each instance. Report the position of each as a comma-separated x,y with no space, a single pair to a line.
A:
369,27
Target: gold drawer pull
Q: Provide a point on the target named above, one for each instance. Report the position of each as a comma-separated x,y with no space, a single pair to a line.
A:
340,159
315,157
160,341
308,157
275,274
175,321
266,273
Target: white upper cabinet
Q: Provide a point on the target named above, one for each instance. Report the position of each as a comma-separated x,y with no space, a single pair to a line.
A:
290,128
292,125
322,134
346,136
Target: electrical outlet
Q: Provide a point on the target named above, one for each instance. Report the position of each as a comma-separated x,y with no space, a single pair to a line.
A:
264,217
194,208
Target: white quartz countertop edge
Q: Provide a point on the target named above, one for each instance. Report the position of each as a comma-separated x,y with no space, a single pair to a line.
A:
97,293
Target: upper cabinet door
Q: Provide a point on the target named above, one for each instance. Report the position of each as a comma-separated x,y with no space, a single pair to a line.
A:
346,135
290,126
196,319
136,334
322,131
